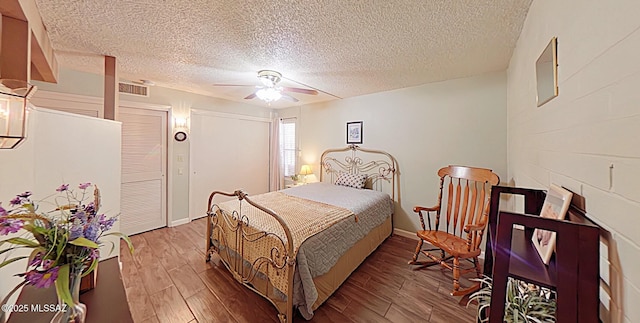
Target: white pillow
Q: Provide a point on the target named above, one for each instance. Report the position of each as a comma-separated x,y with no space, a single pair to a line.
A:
351,180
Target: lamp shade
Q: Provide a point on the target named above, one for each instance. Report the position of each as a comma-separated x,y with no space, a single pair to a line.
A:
305,170
14,95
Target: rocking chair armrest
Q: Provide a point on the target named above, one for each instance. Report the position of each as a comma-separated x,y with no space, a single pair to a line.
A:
427,209
474,227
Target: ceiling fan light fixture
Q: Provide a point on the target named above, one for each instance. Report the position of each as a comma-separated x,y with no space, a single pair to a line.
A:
269,78
269,94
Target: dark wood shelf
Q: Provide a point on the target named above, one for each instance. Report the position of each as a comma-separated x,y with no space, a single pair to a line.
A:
105,303
573,271
527,265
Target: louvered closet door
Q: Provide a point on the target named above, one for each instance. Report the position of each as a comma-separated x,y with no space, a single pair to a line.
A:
144,151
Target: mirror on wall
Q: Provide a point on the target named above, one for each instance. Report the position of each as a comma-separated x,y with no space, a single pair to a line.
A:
547,73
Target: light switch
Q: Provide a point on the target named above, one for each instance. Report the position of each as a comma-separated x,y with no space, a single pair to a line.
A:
180,158
180,171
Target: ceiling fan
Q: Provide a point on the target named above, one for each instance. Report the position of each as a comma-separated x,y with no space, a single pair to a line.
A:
269,91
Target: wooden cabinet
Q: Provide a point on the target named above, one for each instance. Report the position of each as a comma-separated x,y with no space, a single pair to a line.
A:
107,302
573,271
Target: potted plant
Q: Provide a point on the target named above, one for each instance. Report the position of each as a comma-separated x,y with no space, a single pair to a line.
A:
524,303
65,237
295,178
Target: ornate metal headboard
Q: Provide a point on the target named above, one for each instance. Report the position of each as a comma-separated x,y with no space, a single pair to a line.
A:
379,166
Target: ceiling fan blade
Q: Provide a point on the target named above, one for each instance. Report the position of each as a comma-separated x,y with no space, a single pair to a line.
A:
250,96
289,98
223,84
299,90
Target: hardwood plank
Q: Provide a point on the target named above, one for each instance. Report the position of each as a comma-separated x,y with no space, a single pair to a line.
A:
337,301
186,281
154,278
363,297
360,278
153,319
139,303
143,255
170,306
207,308
242,303
169,258
400,315
358,312
196,260
326,314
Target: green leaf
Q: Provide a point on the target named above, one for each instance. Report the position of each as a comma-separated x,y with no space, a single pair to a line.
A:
33,255
21,241
62,285
124,237
93,266
12,260
84,242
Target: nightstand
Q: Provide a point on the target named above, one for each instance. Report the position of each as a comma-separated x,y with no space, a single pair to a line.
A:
294,185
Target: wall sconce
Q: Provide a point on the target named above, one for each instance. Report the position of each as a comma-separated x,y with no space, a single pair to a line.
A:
180,122
14,96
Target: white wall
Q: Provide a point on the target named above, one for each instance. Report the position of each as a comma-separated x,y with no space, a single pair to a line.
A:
593,124
181,103
61,148
426,127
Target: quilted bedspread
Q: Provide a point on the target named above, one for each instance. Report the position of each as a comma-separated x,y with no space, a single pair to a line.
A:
336,217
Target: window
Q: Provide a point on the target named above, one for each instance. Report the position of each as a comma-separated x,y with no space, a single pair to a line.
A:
288,146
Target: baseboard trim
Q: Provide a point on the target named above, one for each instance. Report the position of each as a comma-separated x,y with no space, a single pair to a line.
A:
179,222
406,234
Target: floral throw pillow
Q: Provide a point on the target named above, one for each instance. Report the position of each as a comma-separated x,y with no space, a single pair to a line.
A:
351,180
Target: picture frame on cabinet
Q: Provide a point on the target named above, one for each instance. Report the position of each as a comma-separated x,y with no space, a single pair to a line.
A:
555,206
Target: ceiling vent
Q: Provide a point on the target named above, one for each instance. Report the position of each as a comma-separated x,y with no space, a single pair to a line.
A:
133,89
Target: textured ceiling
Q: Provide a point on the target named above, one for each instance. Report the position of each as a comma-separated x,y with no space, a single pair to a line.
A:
342,48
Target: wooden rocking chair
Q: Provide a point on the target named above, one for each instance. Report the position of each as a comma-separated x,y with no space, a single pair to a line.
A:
467,194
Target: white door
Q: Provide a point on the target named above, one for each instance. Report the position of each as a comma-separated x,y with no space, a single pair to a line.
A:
144,164
227,153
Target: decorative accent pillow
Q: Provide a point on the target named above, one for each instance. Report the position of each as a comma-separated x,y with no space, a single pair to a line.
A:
351,180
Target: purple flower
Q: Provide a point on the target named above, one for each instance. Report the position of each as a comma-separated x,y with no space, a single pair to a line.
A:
25,194
81,216
16,201
76,230
46,265
90,208
37,260
83,186
42,279
91,231
106,224
10,226
95,254
3,212
62,188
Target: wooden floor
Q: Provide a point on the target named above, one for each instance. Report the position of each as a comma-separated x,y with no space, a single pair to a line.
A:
167,280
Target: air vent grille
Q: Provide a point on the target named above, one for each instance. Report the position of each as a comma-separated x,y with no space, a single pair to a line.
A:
133,89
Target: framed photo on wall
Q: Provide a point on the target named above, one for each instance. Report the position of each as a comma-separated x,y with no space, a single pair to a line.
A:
555,206
354,132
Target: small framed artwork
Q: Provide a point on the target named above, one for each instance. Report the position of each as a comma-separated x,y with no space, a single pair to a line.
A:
354,132
555,206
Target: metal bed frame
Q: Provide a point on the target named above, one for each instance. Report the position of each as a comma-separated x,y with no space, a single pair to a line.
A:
381,171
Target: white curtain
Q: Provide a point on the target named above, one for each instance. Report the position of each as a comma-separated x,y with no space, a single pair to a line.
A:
276,180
